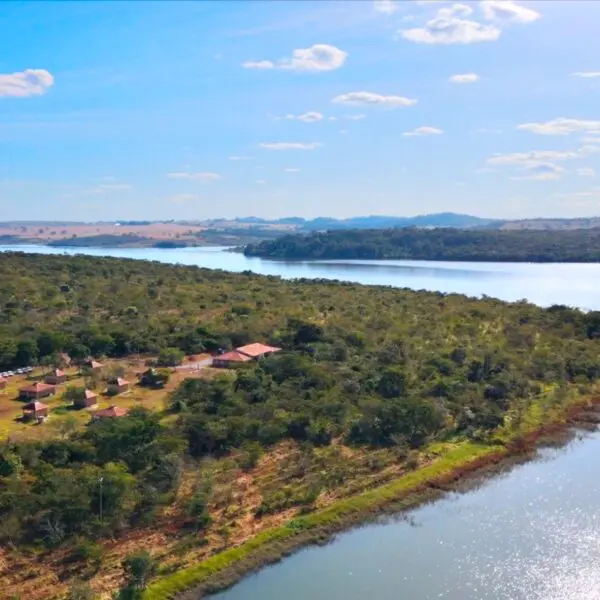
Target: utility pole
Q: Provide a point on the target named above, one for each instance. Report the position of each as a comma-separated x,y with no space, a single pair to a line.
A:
100,481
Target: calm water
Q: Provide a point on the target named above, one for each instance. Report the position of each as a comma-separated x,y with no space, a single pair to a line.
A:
532,534
543,284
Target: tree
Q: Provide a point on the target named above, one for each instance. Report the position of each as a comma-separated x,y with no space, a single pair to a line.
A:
139,569
27,353
170,357
154,378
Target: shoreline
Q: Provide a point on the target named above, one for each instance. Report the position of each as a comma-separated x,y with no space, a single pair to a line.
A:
457,471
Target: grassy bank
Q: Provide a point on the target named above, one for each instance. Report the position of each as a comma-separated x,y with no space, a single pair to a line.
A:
453,464
270,545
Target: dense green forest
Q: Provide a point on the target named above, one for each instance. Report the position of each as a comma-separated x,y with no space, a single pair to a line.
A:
581,245
371,367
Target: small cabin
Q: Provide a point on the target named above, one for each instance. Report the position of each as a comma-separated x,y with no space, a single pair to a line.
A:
94,365
230,360
86,399
257,351
35,411
112,412
56,377
117,385
37,390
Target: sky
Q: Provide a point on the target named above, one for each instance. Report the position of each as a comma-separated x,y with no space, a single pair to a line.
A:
196,110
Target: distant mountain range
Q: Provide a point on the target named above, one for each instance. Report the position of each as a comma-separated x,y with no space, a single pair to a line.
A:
445,219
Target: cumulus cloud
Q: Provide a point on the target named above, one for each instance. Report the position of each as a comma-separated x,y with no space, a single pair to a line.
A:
30,82
317,58
289,145
371,99
292,170
195,176
590,139
425,130
587,74
449,26
307,117
532,158
464,78
508,11
586,172
542,172
562,126
261,181
386,7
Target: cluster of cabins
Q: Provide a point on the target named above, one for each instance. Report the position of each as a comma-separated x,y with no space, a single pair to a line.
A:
38,411
34,393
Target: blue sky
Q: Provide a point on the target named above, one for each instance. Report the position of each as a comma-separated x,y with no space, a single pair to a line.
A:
193,110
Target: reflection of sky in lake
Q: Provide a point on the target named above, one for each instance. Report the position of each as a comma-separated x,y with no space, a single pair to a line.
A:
543,284
531,534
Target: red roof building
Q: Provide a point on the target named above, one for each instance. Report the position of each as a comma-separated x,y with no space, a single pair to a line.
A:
35,410
230,359
117,385
111,412
86,399
37,390
257,350
57,376
94,365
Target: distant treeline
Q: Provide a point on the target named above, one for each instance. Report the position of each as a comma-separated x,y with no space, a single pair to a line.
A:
105,240
582,245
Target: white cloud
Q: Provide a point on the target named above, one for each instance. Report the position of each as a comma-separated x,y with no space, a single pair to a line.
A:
587,74
586,172
241,158
180,198
289,145
261,181
292,170
258,64
371,99
508,11
317,58
195,176
464,78
30,82
423,131
533,158
449,27
115,186
348,117
588,149
542,172
386,7
307,117
561,126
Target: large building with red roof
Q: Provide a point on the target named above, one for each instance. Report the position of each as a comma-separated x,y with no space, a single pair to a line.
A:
37,390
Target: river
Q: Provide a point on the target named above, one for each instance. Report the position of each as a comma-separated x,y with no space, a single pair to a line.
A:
530,534
542,284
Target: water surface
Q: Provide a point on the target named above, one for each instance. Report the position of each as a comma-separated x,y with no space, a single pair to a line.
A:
531,534
542,284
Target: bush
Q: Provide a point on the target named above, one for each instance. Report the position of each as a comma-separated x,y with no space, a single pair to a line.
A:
170,357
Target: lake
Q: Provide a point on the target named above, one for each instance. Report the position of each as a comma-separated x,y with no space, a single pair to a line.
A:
542,284
530,534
